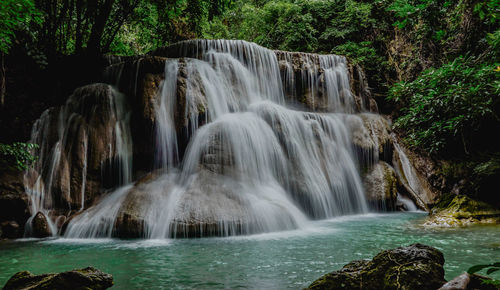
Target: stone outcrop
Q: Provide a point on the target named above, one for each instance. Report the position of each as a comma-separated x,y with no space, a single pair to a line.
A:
413,267
40,226
88,278
209,206
85,157
14,204
371,138
381,187
460,210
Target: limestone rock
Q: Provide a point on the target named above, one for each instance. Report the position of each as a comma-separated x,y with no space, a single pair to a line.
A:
40,226
415,173
413,267
371,138
81,279
381,186
461,210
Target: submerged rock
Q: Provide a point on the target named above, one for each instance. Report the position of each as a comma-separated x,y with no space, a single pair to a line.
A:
88,278
461,210
413,267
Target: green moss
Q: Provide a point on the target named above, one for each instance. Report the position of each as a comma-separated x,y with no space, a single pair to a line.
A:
444,201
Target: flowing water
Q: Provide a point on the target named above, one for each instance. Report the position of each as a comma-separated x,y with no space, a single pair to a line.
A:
289,259
255,164
282,178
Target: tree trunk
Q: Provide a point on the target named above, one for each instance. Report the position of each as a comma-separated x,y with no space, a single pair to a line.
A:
94,44
3,80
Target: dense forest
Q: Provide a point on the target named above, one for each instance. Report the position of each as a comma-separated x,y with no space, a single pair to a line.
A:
433,65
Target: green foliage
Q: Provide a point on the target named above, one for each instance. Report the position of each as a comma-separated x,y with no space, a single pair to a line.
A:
17,156
491,268
447,106
361,53
488,10
15,15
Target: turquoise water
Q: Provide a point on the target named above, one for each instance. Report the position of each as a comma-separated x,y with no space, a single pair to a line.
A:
269,261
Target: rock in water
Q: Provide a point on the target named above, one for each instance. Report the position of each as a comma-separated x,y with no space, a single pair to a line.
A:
413,267
460,210
41,227
88,278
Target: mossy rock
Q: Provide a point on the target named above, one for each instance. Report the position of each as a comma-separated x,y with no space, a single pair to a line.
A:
413,267
81,279
460,210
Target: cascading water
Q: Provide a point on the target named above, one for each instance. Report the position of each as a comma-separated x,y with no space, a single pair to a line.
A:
253,164
97,114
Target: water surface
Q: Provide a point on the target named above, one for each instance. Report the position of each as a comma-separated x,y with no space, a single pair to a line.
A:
291,259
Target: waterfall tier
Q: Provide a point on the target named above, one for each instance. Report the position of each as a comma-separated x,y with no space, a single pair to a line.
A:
209,137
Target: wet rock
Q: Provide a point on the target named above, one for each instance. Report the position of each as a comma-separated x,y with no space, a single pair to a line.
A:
413,267
40,226
10,230
371,138
415,173
88,278
361,90
453,211
381,187
468,281
86,157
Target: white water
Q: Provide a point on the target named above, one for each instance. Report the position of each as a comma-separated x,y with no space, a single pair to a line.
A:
408,170
63,139
253,166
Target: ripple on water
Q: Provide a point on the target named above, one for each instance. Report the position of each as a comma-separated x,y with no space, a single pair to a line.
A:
290,259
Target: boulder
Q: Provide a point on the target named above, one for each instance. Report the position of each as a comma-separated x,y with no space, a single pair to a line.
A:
413,267
381,187
460,210
40,226
88,278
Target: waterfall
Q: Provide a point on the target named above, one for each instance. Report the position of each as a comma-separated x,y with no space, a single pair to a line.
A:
259,157
94,120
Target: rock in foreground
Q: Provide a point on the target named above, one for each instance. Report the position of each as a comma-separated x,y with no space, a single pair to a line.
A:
413,267
88,278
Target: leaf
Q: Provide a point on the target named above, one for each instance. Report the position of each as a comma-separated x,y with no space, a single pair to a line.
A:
477,268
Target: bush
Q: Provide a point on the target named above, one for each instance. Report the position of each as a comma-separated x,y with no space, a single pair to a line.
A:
446,108
17,156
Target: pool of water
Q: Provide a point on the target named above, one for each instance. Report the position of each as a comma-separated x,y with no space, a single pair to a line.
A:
290,259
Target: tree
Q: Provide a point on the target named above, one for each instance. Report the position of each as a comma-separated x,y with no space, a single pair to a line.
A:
14,14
